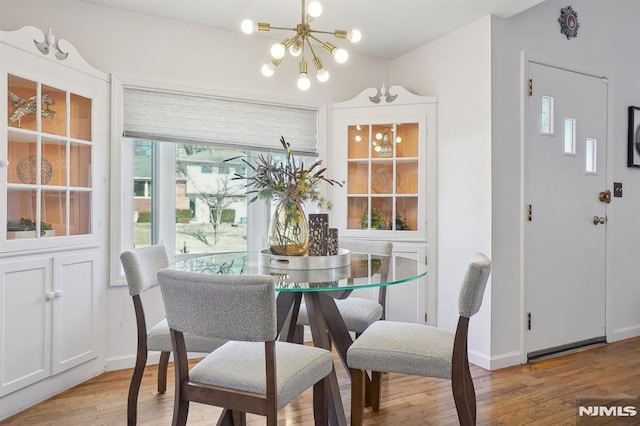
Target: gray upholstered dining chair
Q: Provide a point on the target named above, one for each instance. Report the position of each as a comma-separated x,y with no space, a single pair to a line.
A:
141,266
251,373
388,346
358,313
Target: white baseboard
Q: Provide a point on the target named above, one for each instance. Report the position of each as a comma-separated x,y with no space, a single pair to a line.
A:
124,362
624,333
496,362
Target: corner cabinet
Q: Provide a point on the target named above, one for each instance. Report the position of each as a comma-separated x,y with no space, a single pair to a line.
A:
54,139
383,149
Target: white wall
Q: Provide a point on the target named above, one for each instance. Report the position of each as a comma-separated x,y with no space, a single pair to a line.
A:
457,69
138,47
606,45
475,73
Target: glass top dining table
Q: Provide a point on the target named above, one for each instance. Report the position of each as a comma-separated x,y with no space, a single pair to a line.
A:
364,270
319,287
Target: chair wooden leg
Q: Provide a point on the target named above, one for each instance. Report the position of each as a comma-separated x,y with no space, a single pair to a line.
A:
376,388
180,411
321,403
357,396
163,365
464,393
464,396
134,387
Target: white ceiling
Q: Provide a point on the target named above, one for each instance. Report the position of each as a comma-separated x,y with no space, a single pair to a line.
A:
389,28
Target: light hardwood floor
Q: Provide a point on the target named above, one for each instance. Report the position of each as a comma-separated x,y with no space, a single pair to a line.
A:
540,393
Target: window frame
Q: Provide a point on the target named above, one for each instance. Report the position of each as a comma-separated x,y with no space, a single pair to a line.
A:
121,229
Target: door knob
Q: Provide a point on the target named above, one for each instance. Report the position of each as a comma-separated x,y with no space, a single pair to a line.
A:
605,196
599,220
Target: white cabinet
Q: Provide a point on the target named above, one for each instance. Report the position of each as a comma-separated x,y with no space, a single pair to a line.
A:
48,321
54,148
384,150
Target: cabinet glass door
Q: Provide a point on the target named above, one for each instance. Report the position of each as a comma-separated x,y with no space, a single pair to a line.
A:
49,187
382,179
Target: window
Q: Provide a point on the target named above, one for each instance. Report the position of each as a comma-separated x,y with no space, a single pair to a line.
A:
209,209
172,168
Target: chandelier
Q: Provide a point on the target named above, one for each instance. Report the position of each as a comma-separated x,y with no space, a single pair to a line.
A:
301,40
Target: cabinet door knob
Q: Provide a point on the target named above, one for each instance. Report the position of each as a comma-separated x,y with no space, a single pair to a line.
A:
49,295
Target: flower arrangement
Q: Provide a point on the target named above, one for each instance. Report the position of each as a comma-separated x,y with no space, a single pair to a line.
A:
287,180
291,184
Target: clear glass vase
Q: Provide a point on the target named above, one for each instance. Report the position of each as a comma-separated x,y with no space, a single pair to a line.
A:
289,229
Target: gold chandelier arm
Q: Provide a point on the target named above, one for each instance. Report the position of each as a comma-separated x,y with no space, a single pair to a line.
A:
336,33
327,46
278,28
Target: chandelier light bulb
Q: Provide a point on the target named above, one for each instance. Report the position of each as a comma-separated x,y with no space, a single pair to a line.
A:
296,48
278,50
314,9
340,55
268,69
379,136
247,26
398,139
303,81
354,36
323,75
358,138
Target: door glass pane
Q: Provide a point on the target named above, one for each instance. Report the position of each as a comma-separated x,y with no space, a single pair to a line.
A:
22,103
54,111
53,215
22,158
80,159
591,155
570,136
79,212
80,123
546,115
53,169
21,213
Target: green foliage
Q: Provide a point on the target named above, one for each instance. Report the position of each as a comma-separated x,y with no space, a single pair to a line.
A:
144,217
401,223
24,224
228,216
377,220
182,216
286,180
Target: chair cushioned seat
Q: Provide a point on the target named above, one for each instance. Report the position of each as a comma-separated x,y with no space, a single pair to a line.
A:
241,365
358,313
403,348
159,339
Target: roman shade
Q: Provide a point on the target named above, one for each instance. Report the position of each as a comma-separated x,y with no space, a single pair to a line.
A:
195,119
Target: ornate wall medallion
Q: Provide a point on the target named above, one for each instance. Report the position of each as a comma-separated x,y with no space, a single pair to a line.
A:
569,22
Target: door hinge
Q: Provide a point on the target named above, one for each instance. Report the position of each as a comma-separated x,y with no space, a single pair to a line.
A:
530,91
425,317
426,260
529,321
529,213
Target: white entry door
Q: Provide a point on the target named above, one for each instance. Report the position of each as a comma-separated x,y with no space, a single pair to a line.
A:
565,223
